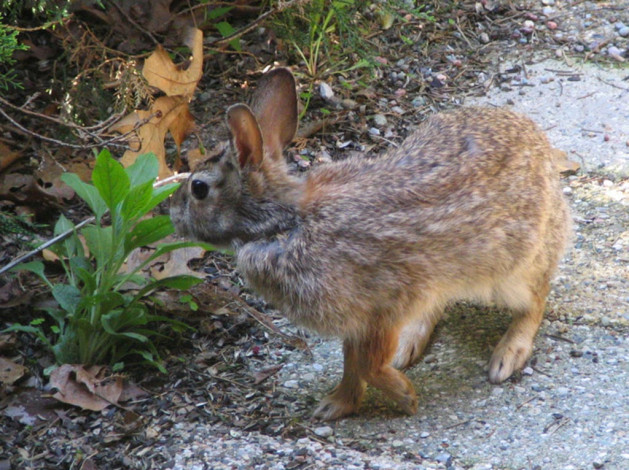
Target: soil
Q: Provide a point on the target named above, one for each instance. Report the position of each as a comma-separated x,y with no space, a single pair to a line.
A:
240,390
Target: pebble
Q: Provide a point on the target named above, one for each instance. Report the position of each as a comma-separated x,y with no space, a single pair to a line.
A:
563,391
424,435
444,458
624,31
349,104
614,52
547,11
397,109
291,384
326,91
374,131
380,120
551,25
484,38
419,101
548,2
324,431
527,371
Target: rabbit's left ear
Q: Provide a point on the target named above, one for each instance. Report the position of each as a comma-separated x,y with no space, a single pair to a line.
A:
274,105
246,135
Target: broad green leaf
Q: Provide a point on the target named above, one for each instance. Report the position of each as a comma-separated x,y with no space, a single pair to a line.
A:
87,192
68,297
136,202
148,231
181,282
110,179
72,245
161,193
152,359
36,267
99,242
227,29
144,168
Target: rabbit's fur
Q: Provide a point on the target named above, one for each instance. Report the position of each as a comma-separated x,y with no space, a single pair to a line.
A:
469,207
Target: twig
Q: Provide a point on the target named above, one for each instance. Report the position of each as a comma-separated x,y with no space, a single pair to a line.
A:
52,241
612,84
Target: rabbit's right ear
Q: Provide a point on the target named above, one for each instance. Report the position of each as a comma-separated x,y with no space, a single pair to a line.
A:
274,104
246,135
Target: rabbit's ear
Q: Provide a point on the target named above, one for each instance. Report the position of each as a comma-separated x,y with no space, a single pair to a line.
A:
246,135
274,104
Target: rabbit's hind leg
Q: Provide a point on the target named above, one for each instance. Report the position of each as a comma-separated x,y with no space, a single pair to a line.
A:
516,346
346,397
376,354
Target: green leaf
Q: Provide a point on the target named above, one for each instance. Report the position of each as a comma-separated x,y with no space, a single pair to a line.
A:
71,245
181,282
145,168
148,231
227,29
99,242
110,179
217,12
136,202
161,193
87,192
36,267
68,297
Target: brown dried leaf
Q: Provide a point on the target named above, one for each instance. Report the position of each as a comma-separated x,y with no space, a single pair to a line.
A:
160,71
168,114
89,388
29,407
262,375
10,372
175,263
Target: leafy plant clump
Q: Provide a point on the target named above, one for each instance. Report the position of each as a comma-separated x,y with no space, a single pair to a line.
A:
100,314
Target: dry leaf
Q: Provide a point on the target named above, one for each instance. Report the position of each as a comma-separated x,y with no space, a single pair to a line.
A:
10,372
160,71
7,156
168,114
261,376
175,263
29,407
89,388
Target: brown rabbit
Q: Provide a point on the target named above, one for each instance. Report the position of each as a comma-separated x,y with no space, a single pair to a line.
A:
372,249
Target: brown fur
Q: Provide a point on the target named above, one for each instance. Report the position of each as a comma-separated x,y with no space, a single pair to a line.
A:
371,250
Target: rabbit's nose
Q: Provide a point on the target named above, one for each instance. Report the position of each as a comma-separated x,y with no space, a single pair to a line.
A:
199,189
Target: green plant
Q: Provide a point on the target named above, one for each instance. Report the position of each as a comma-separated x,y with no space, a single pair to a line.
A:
100,314
8,45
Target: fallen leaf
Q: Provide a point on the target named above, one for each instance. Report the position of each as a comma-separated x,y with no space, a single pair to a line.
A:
262,375
175,263
7,156
10,372
160,71
90,389
168,114
30,408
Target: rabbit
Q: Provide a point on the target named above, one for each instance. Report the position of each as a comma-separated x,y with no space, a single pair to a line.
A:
371,250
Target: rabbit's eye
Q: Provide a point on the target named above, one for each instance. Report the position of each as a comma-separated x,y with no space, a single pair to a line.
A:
199,189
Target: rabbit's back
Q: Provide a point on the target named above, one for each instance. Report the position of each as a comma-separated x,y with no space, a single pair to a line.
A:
471,198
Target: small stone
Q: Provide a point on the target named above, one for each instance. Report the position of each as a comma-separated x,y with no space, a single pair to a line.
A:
326,91
397,444
619,25
291,384
497,391
547,11
614,52
567,190
624,31
484,38
551,25
397,109
536,387
374,131
578,48
421,101
548,2
527,371
444,458
424,435
380,120
349,104
563,391
324,431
